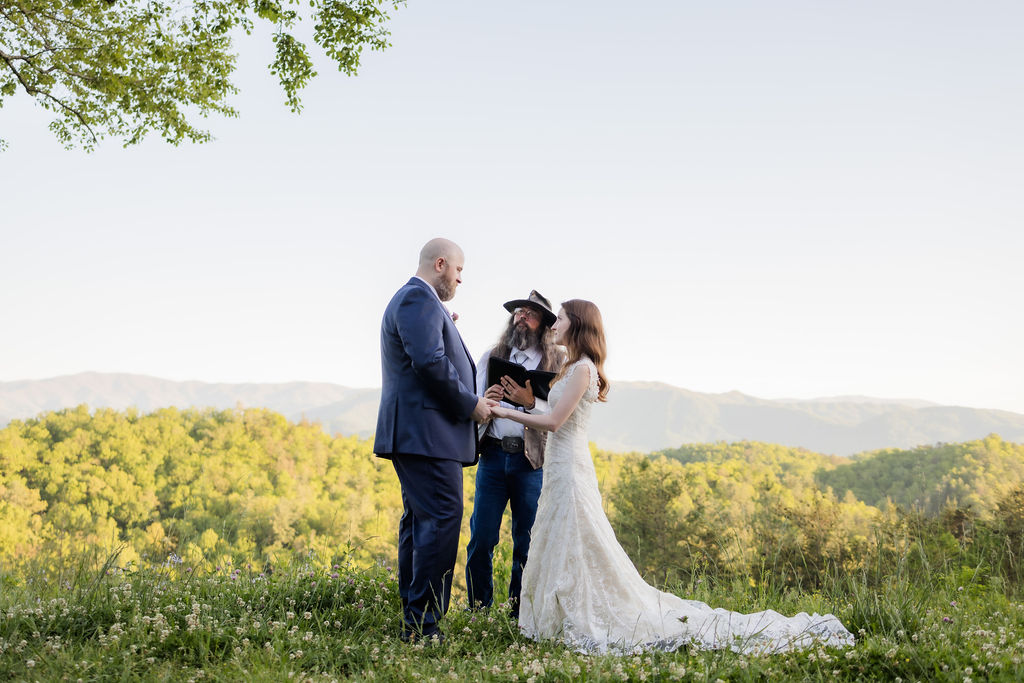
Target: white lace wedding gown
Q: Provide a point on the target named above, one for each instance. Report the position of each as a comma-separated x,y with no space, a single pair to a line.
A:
580,587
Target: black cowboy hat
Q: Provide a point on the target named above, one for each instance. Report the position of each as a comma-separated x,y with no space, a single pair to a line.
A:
536,301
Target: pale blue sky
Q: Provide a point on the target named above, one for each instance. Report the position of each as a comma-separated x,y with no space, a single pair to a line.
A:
790,199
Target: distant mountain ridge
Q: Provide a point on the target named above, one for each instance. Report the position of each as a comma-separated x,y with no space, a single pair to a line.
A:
640,416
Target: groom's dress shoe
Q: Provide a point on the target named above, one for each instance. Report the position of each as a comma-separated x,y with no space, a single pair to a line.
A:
415,637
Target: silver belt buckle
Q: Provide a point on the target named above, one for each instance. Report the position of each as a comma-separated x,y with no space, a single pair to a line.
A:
512,444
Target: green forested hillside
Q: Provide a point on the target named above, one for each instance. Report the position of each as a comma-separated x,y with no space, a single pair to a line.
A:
213,486
973,475
209,486
740,507
202,484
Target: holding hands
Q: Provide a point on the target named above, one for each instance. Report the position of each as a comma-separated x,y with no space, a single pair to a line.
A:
482,411
488,407
497,410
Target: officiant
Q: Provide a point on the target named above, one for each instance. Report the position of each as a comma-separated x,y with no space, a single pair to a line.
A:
509,472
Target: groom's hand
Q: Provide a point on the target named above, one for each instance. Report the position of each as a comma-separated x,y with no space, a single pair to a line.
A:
497,410
482,411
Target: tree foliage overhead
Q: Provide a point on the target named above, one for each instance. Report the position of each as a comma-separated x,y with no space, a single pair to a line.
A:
126,68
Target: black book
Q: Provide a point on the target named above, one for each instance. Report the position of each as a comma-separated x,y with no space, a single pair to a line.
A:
540,381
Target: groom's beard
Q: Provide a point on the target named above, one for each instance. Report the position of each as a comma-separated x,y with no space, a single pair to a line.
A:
445,292
522,337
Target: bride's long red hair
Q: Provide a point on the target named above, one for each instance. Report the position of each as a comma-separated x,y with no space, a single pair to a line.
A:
585,337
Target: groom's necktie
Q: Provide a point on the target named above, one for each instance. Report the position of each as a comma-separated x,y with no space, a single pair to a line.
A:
519,357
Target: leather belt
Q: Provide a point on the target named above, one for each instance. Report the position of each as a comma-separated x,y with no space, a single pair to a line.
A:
509,444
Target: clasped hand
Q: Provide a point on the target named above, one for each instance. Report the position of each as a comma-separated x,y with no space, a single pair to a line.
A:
507,389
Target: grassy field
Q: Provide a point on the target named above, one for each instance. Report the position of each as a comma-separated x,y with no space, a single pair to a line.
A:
311,622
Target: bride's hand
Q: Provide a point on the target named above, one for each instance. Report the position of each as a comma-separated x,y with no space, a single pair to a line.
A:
498,411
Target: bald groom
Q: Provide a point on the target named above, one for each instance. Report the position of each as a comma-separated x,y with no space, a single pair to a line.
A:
425,426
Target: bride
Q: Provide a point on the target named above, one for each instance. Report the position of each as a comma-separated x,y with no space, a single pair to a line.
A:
579,586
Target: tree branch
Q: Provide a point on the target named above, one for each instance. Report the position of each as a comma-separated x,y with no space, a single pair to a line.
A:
51,17
29,58
34,92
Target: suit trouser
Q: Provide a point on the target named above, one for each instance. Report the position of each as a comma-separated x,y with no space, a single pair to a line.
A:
428,537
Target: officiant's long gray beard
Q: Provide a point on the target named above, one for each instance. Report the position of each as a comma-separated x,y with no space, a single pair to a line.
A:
551,357
522,337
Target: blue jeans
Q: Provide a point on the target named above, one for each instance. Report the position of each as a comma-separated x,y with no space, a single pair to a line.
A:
501,478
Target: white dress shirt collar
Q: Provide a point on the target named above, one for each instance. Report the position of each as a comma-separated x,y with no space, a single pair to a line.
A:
431,289
532,357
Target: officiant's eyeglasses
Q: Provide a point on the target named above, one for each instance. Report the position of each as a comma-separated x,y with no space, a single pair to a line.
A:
527,312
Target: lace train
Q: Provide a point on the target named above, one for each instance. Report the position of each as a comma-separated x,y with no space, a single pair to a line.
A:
580,587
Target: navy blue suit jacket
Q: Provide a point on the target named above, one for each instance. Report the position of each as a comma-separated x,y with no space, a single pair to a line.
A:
429,381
